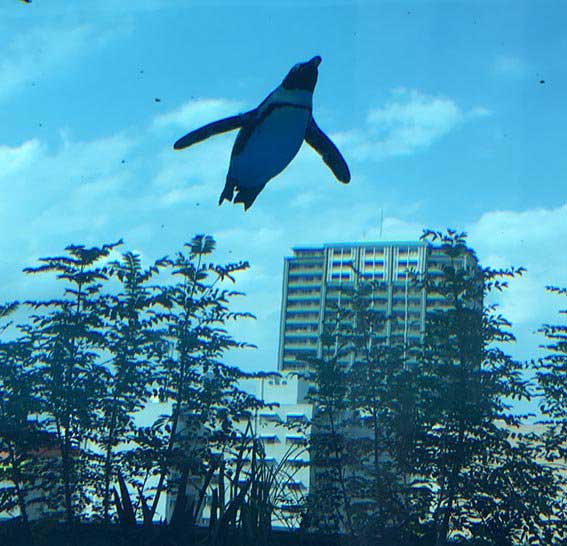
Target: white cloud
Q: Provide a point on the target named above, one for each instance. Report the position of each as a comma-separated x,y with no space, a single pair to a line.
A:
199,172
510,66
197,112
410,121
13,159
48,196
304,200
537,233
535,239
479,112
198,164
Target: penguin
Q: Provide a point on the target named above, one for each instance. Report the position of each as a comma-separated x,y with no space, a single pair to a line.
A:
271,135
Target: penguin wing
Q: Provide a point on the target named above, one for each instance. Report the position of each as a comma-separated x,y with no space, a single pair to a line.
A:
215,128
324,146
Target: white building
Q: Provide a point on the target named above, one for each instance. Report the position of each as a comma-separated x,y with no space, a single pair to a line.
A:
283,430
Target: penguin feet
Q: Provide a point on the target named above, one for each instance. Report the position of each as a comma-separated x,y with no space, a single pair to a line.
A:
247,196
228,192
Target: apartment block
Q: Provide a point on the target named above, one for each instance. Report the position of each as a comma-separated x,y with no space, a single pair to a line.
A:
315,277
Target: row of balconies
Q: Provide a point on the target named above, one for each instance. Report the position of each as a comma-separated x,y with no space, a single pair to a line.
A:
305,276
303,293
298,315
307,304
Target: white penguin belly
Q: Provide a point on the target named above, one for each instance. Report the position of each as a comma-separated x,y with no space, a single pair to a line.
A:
271,146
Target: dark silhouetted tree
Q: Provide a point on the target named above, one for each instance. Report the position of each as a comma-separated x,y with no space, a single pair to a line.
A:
552,381
467,386
133,348
364,428
68,336
19,468
193,376
424,435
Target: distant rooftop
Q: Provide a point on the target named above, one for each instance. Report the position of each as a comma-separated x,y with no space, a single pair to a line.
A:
361,244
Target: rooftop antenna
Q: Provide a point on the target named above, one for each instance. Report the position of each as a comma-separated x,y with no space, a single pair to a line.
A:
381,221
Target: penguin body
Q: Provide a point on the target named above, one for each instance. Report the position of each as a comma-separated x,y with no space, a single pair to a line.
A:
271,135
268,144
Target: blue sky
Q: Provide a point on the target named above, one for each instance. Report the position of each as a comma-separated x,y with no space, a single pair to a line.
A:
437,106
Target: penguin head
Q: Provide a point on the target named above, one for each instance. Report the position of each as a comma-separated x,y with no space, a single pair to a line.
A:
303,76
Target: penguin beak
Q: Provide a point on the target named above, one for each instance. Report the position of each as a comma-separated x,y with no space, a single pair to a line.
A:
315,61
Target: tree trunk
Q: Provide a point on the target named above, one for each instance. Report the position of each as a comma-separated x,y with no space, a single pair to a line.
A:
108,468
20,494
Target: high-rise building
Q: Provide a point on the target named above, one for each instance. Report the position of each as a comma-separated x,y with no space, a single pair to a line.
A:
315,277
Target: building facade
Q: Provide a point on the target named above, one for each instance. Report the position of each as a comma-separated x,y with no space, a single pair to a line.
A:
315,277
283,429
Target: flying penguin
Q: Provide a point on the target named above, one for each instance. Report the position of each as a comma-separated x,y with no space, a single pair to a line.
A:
270,136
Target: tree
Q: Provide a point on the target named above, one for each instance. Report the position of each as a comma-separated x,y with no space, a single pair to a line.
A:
192,376
19,471
67,334
86,363
552,380
466,385
365,422
329,506
420,434
383,376
134,347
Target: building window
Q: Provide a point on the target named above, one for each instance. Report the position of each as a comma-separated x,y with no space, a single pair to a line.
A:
269,439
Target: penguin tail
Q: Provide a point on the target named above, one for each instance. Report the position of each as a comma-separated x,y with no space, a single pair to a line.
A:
228,192
247,196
